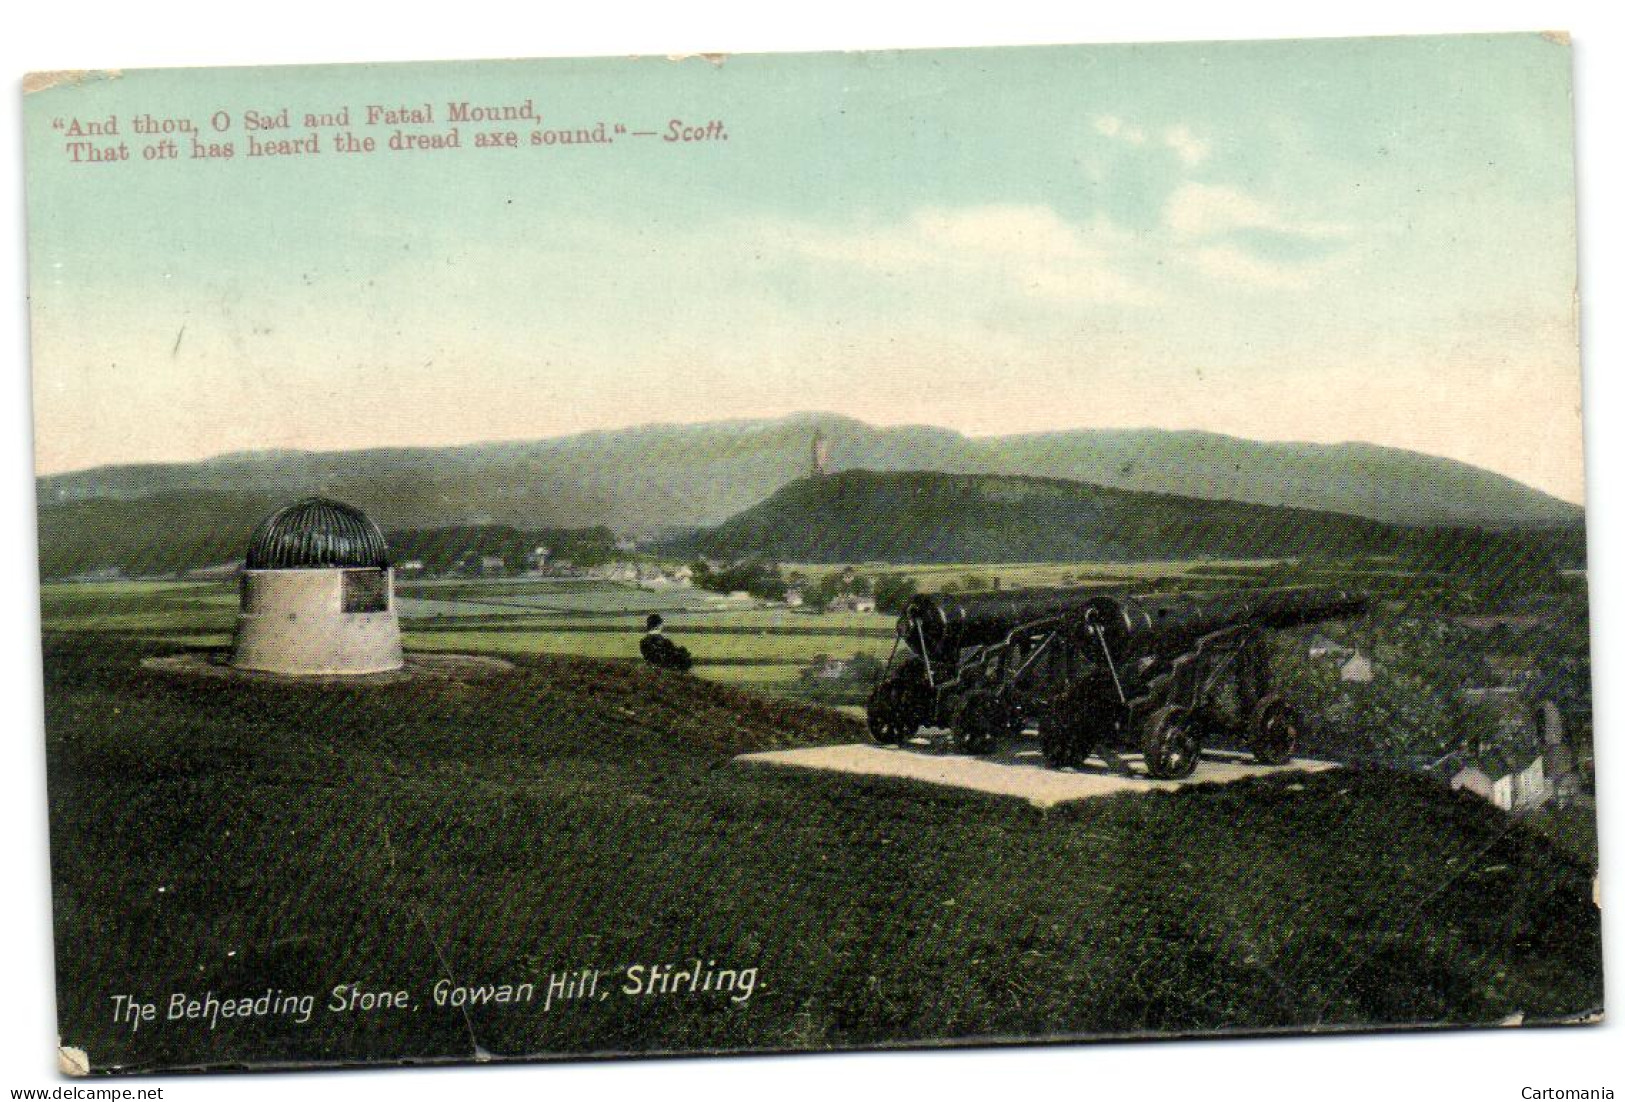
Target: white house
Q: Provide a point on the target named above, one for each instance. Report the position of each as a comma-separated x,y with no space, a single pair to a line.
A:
1322,647
1561,775
852,602
1356,669
1512,780
619,572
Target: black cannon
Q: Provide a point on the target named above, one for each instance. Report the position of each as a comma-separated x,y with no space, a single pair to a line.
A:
1100,672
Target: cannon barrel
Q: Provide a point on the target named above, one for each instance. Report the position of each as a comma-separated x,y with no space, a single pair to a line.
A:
951,622
1133,623
1144,624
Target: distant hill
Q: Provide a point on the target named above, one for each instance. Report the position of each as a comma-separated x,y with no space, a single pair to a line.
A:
646,478
929,516
160,534
654,479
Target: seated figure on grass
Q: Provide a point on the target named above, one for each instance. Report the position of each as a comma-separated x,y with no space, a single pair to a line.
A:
659,651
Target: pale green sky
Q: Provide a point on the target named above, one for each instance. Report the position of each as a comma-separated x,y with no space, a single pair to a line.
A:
1332,240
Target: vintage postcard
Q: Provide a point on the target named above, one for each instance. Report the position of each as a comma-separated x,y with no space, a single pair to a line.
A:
713,554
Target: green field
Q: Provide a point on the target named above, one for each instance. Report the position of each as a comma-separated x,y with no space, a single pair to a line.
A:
733,641
765,646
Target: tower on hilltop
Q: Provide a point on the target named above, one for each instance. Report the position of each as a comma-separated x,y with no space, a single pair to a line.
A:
820,454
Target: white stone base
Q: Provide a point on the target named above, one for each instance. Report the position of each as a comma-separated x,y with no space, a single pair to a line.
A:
293,622
1019,770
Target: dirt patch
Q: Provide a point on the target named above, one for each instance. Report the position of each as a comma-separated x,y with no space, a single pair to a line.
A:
1019,771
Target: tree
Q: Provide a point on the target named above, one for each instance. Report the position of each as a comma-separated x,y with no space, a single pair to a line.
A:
893,591
758,577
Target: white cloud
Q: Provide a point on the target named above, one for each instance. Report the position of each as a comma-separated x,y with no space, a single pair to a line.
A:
1191,149
1027,249
1228,264
1206,210
1113,127
1181,139
1202,221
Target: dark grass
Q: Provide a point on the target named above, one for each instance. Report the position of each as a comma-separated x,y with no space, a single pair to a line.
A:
575,813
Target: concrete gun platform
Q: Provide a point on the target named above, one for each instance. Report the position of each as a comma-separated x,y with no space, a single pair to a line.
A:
1019,769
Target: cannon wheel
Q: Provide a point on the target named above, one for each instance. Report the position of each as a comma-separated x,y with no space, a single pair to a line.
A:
1064,742
900,705
1171,744
980,722
1277,728
1064,734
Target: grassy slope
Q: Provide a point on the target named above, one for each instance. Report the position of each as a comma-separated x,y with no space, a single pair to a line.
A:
579,813
928,516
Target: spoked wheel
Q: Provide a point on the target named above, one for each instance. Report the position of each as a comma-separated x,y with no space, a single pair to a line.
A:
1171,744
1277,728
884,725
980,722
899,705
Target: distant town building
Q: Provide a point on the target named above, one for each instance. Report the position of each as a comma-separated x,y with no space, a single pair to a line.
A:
1561,775
820,454
492,565
100,574
794,598
1493,692
627,573
1560,759
1506,621
317,594
1513,779
626,545
218,572
1322,647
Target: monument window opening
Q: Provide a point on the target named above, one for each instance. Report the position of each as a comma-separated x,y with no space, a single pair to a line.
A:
366,591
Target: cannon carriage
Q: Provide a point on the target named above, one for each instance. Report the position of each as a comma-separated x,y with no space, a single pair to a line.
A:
1099,672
